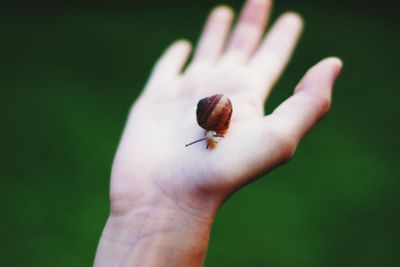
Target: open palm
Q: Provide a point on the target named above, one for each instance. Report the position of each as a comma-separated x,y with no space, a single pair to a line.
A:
243,65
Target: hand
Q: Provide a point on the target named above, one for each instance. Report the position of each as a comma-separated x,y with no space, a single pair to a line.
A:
153,168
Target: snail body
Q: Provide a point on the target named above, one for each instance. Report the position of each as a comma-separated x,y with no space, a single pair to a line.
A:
214,115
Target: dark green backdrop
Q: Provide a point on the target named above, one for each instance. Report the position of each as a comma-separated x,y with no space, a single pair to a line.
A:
69,74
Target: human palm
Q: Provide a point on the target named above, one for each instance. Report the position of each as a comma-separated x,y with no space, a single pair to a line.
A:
152,158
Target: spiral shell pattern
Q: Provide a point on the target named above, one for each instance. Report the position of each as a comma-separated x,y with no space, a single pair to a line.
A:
214,113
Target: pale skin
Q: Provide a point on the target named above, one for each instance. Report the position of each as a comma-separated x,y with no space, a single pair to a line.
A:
165,196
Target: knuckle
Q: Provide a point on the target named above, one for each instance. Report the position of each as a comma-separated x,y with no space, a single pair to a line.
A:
321,103
324,104
285,142
288,147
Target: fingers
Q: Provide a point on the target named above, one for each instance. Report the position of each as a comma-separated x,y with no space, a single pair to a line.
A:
310,102
173,60
214,34
267,142
275,51
249,29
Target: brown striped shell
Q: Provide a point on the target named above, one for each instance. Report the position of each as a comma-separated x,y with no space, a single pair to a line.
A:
214,113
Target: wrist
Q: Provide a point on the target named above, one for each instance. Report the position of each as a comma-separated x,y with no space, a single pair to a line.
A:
155,230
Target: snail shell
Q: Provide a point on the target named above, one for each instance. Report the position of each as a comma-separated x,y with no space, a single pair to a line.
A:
214,113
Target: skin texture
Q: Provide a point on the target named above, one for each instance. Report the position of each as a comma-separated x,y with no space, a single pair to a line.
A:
164,196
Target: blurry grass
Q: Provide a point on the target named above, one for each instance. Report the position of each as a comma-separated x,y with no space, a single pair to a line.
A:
67,82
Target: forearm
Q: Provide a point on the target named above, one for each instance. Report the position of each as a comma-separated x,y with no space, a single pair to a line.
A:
158,234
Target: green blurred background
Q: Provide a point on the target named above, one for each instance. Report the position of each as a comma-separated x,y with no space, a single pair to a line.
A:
69,74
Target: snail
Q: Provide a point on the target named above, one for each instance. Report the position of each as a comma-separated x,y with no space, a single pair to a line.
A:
214,115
